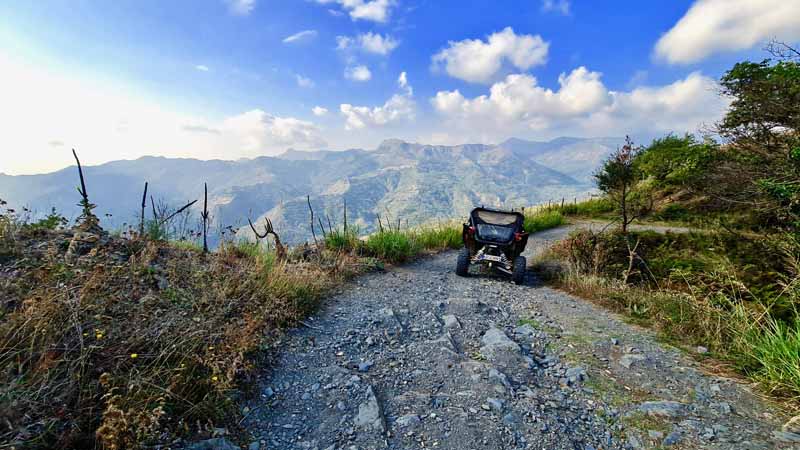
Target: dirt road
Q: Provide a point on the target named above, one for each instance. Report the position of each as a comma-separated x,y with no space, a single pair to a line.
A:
418,358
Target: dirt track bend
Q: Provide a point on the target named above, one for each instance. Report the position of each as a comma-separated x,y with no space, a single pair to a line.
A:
417,357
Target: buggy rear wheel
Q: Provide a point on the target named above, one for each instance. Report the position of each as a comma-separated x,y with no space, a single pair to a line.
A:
518,276
462,263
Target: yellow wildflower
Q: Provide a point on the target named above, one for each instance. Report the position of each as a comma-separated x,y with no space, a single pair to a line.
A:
134,355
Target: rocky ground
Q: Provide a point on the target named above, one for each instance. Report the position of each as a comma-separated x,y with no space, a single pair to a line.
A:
417,357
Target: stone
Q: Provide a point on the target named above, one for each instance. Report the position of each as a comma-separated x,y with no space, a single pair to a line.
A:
510,420
629,359
653,434
214,444
672,439
496,345
499,377
365,366
496,404
575,374
268,392
525,330
451,322
786,437
370,415
664,408
408,421
255,445
702,350
634,442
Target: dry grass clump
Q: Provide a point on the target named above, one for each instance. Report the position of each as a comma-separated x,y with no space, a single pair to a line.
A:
137,342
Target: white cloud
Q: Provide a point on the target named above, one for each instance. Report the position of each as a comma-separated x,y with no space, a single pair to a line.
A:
477,61
520,98
398,108
301,36
402,82
582,105
202,68
371,10
559,6
319,111
368,42
257,131
358,73
304,82
712,26
241,7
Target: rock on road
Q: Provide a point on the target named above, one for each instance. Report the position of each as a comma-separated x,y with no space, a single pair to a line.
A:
417,357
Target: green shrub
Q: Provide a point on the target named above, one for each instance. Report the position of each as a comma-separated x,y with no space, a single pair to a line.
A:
392,246
341,240
439,237
543,220
593,207
775,350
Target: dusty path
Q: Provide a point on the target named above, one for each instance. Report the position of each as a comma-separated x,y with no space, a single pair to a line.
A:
419,358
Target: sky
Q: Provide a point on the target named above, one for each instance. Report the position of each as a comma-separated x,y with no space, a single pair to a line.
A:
232,79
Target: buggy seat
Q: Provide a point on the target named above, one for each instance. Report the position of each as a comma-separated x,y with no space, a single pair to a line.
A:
496,226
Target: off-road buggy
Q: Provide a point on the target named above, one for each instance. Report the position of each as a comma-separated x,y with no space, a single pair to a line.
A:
494,239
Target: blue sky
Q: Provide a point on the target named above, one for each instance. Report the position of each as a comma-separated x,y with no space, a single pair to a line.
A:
242,78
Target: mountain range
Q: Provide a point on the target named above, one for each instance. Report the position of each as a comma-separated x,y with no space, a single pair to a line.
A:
414,183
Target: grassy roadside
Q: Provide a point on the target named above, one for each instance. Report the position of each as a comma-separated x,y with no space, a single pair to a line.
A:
729,293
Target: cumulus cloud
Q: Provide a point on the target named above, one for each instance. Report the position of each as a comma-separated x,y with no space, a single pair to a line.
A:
241,7
257,131
583,105
358,73
368,42
305,35
304,82
371,10
319,111
202,68
712,26
398,108
479,61
559,6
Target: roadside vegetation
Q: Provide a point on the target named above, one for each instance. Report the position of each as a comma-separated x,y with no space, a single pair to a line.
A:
729,284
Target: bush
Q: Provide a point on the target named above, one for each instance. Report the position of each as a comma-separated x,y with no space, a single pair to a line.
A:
341,240
542,220
439,237
592,207
392,246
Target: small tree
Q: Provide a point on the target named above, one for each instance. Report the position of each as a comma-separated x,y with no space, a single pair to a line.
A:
617,179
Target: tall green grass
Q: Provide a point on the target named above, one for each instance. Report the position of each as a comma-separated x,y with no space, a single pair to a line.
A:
775,349
543,220
393,246
593,207
439,237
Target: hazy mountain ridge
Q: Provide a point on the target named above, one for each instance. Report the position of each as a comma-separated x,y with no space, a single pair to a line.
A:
414,182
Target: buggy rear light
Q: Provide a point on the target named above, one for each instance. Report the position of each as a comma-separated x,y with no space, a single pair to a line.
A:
471,230
517,236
